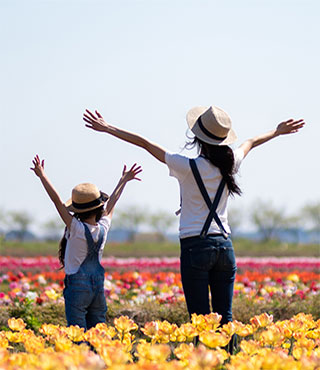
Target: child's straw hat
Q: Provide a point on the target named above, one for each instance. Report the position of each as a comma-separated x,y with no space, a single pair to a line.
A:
211,125
86,197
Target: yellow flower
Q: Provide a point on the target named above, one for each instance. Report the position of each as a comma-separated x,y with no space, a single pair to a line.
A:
52,294
124,325
243,330
293,277
16,324
186,333
34,344
204,359
213,339
14,337
261,321
272,336
62,344
229,328
250,347
3,341
75,333
157,353
49,329
213,321
115,355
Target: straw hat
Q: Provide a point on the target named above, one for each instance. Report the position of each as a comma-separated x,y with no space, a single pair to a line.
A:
211,125
86,197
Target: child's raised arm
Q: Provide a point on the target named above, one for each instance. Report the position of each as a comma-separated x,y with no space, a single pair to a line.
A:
38,169
290,126
97,123
126,176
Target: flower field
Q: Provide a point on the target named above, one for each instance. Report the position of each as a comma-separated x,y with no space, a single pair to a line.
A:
290,344
276,311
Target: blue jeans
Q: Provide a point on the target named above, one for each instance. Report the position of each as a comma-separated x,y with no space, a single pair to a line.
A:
204,263
85,303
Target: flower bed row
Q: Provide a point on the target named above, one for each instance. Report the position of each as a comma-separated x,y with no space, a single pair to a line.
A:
263,344
140,264
135,287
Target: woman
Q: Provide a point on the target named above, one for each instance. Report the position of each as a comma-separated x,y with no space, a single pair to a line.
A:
207,257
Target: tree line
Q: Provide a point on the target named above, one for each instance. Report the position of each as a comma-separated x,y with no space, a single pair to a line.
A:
267,219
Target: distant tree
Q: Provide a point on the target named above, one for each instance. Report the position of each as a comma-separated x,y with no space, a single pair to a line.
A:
3,222
20,221
267,219
293,225
130,219
160,222
235,219
311,216
54,229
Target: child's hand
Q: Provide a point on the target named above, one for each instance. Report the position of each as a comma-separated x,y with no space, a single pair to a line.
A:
289,127
38,168
96,122
132,173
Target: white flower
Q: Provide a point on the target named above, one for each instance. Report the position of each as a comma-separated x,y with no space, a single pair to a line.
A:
32,295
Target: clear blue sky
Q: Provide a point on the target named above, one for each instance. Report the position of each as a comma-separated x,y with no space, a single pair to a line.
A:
143,64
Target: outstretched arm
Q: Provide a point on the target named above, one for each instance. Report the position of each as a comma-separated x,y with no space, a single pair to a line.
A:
287,127
97,123
38,169
126,176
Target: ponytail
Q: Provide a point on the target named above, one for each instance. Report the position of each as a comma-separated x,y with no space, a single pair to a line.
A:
220,156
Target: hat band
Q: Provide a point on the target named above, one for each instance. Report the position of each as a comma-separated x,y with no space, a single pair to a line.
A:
208,133
93,203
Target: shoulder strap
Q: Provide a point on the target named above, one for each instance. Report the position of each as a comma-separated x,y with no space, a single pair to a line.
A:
211,205
92,245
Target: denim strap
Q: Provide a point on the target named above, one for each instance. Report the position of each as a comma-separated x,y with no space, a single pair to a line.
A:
92,245
211,205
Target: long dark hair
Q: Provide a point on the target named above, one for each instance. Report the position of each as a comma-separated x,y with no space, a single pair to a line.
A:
220,156
98,212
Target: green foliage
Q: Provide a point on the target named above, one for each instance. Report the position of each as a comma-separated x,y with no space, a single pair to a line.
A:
25,310
243,247
243,310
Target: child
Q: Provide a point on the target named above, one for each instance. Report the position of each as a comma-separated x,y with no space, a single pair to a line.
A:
82,245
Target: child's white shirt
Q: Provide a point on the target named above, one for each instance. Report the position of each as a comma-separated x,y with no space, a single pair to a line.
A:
77,247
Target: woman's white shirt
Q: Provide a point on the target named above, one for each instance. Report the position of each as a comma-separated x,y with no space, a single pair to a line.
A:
194,210
77,247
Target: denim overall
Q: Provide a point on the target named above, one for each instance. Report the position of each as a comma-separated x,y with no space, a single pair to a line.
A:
85,303
208,260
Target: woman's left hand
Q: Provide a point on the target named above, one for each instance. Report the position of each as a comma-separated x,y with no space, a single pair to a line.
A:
95,121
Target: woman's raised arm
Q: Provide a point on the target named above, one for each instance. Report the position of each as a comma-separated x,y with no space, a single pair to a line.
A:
287,127
97,123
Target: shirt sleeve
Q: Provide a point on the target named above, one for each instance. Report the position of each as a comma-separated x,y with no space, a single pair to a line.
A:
238,158
75,228
105,222
178,165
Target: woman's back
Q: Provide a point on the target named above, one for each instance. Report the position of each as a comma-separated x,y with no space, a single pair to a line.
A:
194,210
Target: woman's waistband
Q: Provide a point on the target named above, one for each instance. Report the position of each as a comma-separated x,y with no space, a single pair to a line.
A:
217,240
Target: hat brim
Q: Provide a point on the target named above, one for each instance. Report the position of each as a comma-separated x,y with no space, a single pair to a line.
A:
192,120
71,208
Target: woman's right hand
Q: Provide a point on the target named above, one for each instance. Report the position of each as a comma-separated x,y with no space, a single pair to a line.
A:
289,127
38,168
95,122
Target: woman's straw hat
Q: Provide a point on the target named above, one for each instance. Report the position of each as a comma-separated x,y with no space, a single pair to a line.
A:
211,125
86,197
